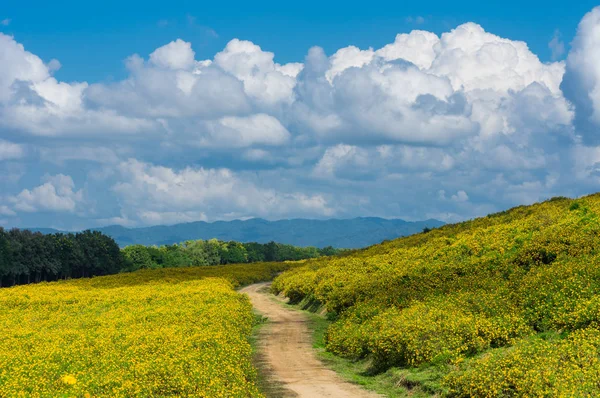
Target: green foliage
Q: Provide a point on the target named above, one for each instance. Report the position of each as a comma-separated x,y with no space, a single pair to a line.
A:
216,252
473,297
27,257
533,368
139,257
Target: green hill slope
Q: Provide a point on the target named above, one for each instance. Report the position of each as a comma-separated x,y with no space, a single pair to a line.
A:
504,305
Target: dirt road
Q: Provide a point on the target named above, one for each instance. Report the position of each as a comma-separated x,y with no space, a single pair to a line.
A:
287,351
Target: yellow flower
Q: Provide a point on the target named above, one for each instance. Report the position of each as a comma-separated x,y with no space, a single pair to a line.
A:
69,380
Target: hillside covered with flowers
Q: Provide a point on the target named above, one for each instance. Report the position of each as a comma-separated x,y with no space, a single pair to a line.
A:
504,305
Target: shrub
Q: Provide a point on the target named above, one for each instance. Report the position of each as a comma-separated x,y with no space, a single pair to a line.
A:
468,292
534,367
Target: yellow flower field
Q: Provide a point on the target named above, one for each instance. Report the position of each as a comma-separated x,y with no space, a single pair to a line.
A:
505,305
155,333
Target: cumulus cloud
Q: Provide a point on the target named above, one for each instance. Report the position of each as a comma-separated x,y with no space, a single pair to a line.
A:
162,94
460,196
57,194
421,89
264,80
581,83
468,113
175,55
474,59
425,89
238,132
154,193
18,65
343,160
357,163
34,102
416,47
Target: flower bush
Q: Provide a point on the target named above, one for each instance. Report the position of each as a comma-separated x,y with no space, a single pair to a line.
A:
474,297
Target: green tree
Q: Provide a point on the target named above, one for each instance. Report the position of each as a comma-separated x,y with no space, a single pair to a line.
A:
233,253
137,257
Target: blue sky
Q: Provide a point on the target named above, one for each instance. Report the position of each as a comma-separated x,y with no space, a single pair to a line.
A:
92,38
155,113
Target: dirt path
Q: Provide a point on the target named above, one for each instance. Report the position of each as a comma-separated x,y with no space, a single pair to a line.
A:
286,345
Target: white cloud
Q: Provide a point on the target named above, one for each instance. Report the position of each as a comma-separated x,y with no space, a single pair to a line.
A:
9,150
237,132
460,196
421,89
343,160
356,163
153,192
162,94
6,211
57,194
417,47
582,79
380,103
177,54
264,80
47,120
474,59
348,133
348,57
256,155
586,163
428,90
33,102
18,65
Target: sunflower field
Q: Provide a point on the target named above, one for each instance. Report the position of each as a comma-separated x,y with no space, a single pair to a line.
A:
505,305
153,333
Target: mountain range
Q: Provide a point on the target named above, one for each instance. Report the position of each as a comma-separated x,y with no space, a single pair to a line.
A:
340,233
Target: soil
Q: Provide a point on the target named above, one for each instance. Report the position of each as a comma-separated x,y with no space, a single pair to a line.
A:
286,350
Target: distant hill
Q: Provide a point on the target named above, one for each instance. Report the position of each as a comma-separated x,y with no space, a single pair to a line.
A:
348,233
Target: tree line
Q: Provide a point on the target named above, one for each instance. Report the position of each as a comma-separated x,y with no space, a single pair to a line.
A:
216,252
29,257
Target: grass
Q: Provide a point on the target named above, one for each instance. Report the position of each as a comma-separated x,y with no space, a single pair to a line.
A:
394,383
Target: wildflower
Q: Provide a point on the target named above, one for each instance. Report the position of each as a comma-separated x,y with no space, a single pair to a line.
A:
69,380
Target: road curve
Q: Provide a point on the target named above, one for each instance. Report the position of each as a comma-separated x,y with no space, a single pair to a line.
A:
286,347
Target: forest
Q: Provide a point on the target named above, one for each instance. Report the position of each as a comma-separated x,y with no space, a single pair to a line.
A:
30,257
